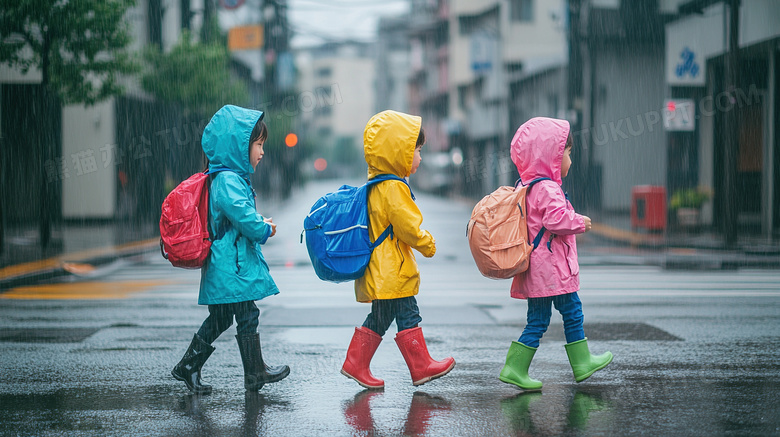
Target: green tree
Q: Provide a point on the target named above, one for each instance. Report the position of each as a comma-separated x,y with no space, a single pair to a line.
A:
80,48
195,76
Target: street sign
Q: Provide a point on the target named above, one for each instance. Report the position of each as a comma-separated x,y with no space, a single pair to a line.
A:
483,52
679,115
245,37
231,4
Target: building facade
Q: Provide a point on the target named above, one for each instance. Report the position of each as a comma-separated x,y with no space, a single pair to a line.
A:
88,163
392,64
463,56
335,102
697,47
115,160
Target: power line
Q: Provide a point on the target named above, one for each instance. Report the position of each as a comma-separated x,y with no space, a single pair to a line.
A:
347,4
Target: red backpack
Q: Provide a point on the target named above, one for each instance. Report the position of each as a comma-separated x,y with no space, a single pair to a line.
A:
184,232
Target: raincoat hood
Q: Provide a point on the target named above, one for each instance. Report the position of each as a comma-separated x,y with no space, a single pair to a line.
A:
537,148
389,141
226,138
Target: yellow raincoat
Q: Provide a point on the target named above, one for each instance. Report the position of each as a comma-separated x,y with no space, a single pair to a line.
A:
389,141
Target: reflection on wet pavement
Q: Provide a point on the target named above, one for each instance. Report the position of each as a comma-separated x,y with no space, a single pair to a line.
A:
422,410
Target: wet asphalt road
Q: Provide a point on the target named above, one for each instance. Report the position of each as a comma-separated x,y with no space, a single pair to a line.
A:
695,352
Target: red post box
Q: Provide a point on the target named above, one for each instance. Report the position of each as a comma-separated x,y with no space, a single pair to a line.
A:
648,207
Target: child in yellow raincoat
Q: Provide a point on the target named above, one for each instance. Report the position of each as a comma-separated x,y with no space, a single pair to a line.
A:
392,142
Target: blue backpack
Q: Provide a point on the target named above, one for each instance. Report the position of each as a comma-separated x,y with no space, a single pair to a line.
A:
337,232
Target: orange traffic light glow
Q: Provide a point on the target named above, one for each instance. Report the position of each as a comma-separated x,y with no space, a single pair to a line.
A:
291,140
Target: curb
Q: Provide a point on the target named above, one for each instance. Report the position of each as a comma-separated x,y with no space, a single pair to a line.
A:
26,273
689,257
673,258
633,239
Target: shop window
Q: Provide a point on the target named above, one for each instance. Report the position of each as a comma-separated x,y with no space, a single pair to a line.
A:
522,10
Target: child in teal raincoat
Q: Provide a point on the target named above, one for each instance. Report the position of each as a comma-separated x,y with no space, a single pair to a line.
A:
235,274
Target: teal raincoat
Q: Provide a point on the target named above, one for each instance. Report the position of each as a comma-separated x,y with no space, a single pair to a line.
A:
235,270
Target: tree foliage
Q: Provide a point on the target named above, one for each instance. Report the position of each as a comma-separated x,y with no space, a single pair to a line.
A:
193,75
79,46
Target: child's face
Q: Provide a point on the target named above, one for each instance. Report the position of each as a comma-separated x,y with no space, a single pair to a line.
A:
417,159
566,164
256,152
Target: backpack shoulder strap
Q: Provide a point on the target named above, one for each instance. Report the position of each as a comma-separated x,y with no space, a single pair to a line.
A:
213,234
388,232
537,180
216,170
390,177
539,236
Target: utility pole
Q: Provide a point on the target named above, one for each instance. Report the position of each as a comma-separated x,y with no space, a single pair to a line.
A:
2,225
731,138
278,86
575,101
209,14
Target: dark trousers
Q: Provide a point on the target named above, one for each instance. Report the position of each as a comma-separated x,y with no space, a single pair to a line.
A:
403,310
221,317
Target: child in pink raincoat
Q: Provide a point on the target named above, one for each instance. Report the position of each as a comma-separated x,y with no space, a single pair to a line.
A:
541,148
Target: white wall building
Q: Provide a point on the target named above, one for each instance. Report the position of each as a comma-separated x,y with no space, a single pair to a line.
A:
336,100
89,137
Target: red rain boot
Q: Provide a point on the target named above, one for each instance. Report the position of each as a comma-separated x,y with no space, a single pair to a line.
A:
422,367
361,350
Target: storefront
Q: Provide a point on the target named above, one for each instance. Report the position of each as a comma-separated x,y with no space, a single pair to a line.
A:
696,56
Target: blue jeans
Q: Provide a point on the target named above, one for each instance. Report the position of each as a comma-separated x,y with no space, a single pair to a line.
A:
539,313
404,310
221,317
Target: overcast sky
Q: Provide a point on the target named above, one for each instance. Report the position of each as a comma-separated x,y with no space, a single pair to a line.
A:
318,21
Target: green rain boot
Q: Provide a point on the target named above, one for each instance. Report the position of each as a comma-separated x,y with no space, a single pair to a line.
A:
515,370
583,364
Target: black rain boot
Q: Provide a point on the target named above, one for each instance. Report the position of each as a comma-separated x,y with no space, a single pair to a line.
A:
188,369
256,372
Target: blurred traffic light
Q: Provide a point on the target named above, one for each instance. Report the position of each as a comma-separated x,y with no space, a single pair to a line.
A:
291,140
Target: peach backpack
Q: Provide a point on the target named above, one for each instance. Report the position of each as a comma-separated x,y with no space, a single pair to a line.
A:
498,233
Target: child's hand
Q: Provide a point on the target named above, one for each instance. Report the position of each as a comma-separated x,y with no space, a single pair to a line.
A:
270,222
588,224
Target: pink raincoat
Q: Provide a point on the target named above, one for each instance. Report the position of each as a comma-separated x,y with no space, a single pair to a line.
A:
537,151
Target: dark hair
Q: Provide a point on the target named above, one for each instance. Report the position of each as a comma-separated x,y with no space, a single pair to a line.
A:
259,132
569,143
420,138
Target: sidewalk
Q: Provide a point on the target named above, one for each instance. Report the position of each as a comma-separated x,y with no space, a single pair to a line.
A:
81,248
75,248
702,249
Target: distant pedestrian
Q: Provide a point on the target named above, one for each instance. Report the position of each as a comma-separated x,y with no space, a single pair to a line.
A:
541,148
392,142
235,273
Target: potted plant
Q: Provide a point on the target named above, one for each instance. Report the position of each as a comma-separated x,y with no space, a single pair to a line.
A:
687,203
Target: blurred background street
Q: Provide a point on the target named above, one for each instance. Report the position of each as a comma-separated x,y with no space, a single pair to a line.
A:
695,351
674,107
672,103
